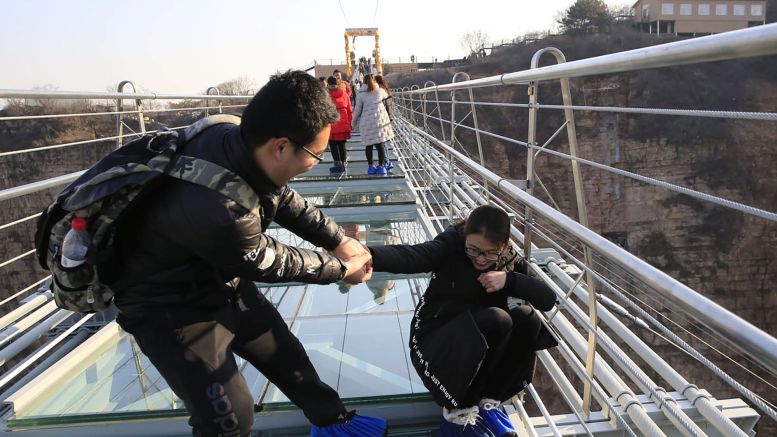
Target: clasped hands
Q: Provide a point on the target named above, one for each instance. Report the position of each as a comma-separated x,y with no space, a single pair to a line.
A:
357,260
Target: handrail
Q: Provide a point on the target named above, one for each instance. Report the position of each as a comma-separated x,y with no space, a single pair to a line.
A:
60,95
754,41
736,115
95,114
33,187
738,333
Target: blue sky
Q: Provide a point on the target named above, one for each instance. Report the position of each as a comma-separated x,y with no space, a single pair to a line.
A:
171,46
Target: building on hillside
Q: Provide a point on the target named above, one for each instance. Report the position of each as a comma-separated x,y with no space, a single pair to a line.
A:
697,17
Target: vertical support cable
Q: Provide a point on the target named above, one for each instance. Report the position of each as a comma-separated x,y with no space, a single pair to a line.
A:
531,140
477,138
450,195
581,209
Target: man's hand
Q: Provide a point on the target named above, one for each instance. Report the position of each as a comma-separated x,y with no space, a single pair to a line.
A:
493,281
349,247
358,268
365,274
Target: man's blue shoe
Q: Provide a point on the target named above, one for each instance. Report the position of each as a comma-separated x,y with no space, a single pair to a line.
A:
463,423
388,165
352,425
381,171
371,170
495,419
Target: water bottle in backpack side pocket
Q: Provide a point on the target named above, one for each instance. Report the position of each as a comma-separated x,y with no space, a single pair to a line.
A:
75,244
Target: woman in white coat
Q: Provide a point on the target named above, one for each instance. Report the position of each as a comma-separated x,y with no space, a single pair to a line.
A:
371,118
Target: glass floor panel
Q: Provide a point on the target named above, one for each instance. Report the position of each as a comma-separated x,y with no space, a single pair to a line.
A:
356,170
356,337
356,154
357,194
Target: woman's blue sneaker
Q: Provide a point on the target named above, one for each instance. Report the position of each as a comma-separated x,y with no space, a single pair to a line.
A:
498,423
352,425
449,429
464,422
371,170
389,165
381,171
337,169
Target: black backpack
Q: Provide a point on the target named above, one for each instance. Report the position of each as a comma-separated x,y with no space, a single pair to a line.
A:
106,192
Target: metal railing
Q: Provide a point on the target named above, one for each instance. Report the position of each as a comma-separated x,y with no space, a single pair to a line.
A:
27,321
442,163
443,152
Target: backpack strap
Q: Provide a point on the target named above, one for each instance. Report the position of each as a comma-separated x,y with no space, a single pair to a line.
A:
201,172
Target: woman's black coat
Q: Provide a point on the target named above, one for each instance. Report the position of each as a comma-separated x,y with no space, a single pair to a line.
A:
446,346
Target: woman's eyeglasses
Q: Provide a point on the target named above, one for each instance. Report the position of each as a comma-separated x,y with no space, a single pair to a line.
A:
489,255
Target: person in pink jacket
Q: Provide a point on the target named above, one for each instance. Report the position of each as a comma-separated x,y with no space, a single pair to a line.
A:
341,130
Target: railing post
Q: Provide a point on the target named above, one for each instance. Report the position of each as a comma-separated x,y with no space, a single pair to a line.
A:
427,84
453,111
207,102
439,113
581,208
409,106
119,108
412,109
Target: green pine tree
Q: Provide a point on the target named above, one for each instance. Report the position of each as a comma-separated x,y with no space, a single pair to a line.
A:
586,16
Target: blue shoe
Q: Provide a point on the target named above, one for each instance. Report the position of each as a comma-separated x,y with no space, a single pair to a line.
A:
449,429
381,171
337,169
498,422
463,422
388,165
371,170
352,425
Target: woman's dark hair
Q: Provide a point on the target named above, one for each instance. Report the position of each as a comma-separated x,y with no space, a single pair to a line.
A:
292,105
369,79
382,83
489,221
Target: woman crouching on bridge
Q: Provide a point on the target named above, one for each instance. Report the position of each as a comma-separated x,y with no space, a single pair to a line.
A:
470,349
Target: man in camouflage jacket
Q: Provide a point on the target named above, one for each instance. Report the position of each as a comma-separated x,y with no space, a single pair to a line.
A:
189,257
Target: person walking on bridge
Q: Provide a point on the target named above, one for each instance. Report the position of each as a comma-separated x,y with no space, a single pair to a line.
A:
189,257
374,124
343,83
341,130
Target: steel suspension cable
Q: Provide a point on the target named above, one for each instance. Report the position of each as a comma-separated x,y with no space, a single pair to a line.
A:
648,180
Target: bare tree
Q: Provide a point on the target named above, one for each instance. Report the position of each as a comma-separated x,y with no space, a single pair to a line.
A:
621,12
475,41
238,86
36,106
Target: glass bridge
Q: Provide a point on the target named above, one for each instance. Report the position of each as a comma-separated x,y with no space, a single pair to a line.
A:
617,317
